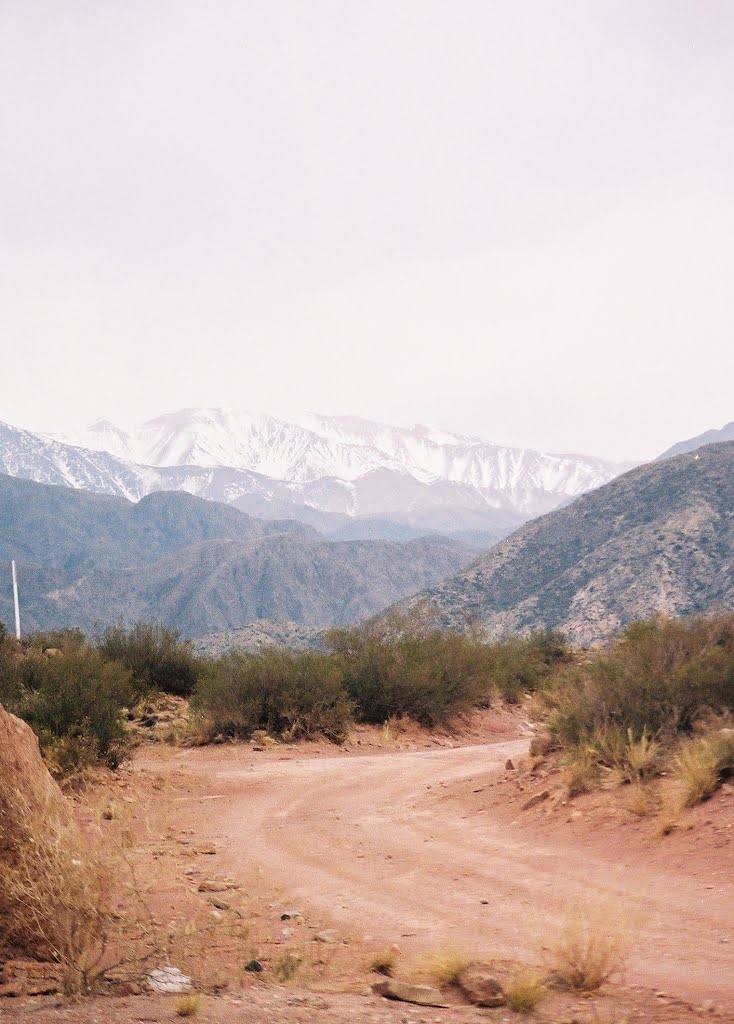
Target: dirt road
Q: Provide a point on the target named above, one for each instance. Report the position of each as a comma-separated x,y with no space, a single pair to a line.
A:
376,845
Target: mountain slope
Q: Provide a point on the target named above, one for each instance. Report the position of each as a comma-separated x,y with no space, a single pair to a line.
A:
658,539
61,528
726,433
87,560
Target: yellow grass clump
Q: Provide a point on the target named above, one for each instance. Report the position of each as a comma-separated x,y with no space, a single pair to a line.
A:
442,967
188,1005
56,890
588,951
524,991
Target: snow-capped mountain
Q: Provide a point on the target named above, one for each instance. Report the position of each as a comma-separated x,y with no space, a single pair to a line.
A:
323,470
362,460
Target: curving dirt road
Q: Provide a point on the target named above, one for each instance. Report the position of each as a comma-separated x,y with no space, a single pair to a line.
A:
378,845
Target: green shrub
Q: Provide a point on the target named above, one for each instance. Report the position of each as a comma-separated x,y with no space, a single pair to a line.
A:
399,665
520,665
64,640
73,704
655,681
155,656
296,694
429,677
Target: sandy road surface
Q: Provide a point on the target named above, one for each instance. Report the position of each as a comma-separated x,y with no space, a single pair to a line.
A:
373,844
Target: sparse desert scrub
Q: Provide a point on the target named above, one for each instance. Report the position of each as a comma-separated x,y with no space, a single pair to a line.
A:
385,961
589,949
441,967
655,680
278,691
156,657
73,703
188,1005
288,966
389,671
399,665
521,665
628,707
525,990
702,764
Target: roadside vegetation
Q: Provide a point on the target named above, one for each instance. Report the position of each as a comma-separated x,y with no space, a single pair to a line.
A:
659,699
76,693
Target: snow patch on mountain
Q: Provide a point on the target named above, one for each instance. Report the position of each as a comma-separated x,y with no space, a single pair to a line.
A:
313,448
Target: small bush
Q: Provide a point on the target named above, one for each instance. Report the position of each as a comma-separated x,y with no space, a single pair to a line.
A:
442,967
634,760
399,665
288,966
390,670
385,962
73,704
654,681
587,953
640,757
639,801
156,657
520,665
702,764
65,640
278,691
525,991
582,771
55,890
188,1005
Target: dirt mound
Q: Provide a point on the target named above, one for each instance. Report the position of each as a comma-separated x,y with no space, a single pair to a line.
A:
26,788
24,778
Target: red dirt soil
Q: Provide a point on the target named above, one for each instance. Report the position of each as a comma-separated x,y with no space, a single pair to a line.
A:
422,842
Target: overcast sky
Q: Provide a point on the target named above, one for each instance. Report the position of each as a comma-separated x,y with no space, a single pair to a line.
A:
514,219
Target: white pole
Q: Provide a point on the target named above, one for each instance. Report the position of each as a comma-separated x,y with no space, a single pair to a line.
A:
15,598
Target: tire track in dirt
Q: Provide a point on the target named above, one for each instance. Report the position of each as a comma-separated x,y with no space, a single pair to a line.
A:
371,843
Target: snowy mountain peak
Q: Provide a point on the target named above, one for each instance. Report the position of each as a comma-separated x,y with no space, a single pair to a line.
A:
305,449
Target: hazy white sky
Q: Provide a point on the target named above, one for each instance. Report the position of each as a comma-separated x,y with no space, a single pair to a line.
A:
514,219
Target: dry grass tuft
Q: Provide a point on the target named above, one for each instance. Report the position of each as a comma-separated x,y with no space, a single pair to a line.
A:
588,951
582,772
641,756
442,967
188,1005
702,764
385,962
696,772
525,991
56,890
288,966
640,802
670,817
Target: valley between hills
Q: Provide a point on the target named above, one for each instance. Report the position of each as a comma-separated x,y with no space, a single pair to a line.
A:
286,776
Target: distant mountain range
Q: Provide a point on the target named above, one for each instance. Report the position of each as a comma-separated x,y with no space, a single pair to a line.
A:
348,477
658,539
120,539
725,433
89,559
